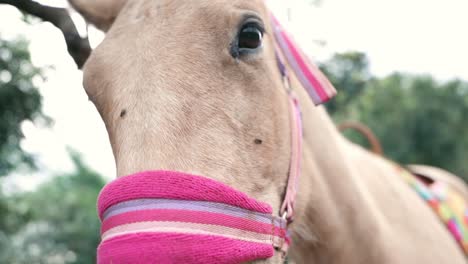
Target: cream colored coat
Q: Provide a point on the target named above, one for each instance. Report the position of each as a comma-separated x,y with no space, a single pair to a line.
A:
172,97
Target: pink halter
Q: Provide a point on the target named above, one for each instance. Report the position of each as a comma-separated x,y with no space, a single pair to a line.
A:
173,217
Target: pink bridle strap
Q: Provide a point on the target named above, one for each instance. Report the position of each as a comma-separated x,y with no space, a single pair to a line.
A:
287,208
319,89
174,217
309,75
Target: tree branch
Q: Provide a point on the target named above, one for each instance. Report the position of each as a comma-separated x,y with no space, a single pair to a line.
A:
78,47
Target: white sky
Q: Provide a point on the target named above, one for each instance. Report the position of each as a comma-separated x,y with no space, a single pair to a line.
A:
417,36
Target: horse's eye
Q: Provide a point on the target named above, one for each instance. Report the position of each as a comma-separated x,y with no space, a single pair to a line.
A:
250,37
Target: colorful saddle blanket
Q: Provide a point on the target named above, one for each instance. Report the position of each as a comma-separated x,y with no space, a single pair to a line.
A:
447,203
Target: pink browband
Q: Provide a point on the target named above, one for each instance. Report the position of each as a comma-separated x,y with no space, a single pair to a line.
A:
173,217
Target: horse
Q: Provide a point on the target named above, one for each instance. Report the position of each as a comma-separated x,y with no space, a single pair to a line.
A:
194,87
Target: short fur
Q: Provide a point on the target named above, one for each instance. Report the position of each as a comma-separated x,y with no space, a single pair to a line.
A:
190,106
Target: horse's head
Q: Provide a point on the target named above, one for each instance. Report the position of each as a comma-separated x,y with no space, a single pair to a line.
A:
192,86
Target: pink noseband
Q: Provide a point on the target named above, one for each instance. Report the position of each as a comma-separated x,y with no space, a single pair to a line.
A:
173,217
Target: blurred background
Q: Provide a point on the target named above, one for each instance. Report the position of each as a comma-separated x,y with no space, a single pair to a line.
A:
400,67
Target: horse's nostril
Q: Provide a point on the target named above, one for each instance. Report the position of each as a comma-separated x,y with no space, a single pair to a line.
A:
123,113
258,141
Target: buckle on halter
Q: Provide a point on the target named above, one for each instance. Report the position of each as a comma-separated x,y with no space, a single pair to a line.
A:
285,216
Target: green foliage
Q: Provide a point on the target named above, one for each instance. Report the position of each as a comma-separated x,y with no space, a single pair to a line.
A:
19,101
416,118
57,223
350,73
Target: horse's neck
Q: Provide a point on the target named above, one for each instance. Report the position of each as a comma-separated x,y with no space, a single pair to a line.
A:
330,200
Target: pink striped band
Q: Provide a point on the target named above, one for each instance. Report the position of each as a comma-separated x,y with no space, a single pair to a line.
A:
176,210
312,79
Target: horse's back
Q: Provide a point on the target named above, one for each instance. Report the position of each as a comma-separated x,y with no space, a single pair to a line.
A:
412,233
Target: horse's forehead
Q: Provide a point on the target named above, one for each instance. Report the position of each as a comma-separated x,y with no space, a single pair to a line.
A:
175,9
148,24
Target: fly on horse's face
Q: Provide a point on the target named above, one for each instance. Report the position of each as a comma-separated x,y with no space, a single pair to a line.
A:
193,86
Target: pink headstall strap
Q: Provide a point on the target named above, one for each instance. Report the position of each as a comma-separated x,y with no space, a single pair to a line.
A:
173,217
287,208
319,90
